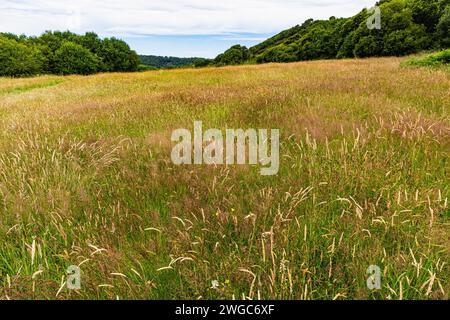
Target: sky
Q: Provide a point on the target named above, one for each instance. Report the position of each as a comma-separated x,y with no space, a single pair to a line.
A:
183,28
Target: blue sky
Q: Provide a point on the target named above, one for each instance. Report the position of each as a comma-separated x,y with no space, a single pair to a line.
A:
192,45
184,28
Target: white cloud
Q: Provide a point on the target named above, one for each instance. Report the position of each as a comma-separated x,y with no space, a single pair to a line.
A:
168,17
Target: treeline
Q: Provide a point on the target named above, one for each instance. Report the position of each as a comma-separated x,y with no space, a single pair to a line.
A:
160,62
64,53
407,26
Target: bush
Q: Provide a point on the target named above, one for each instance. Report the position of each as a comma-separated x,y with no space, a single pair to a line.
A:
72,58
143,68
18,59
433,60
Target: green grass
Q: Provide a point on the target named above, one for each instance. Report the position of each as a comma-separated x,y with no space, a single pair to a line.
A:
439,59
86,179
29,87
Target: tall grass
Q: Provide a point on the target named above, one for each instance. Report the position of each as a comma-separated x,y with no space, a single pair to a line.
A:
86,179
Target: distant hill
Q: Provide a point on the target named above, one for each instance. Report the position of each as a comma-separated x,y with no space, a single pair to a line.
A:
407,26
161,62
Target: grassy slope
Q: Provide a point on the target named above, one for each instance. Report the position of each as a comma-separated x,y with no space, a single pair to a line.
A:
86,178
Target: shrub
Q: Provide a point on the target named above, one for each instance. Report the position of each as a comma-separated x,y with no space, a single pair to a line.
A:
433,60
143,68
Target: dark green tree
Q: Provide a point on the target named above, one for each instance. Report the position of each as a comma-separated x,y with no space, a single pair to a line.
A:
425,12
235,55
443,28
72,58
368,46
116,56
18,59
406,41
90,41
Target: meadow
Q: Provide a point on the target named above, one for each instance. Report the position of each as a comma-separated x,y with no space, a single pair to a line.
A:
86,179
